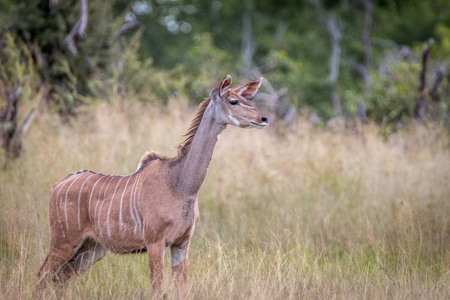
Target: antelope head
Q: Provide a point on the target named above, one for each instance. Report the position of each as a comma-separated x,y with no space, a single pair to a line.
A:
232,105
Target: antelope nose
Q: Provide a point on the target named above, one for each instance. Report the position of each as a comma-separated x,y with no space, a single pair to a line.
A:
265,119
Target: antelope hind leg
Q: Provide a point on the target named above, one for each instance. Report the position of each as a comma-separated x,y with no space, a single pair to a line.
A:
56,258
85,257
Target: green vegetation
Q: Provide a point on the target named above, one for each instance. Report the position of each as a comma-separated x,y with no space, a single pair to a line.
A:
153,50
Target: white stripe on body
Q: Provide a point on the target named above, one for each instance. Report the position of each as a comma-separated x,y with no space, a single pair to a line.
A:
65,203
101,206
60,204
90,198
131,201
108,230
98,196
122,225
59,221
79,197
133,196
139,205
54,202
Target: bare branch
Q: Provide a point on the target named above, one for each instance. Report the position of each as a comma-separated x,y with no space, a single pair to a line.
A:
78,30
361,111
128,25
26,121
421,103
336,103
10,133
71,39
368,14
83,18
335,35
353,64
247,47
12,98
335,56
425,51
437,83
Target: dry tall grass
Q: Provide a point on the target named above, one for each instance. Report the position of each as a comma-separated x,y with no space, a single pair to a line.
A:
302,214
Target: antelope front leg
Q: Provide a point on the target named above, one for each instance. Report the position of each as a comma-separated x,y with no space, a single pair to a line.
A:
179,261
156,265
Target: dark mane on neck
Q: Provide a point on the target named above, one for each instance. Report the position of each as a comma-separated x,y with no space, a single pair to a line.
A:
148,157
184,146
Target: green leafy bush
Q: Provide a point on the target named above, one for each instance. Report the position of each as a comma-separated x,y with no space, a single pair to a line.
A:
394,94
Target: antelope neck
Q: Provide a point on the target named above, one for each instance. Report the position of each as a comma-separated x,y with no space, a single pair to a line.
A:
195,162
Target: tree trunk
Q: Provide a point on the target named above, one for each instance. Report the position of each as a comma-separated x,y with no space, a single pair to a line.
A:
335,55
421,104
11,133
279,33
336,37
336,103
361,111
368,13
247,44
77,31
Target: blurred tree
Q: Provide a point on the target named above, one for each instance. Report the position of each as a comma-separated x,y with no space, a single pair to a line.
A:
286,41
69,50
335,56
17,75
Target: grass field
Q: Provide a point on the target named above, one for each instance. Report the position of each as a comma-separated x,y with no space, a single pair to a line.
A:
284,214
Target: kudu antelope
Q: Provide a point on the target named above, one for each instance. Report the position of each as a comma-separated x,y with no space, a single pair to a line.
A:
154,209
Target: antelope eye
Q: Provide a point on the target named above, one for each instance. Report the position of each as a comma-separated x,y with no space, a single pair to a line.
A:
233,102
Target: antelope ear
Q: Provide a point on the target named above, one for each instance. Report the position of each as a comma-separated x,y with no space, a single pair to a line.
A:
250,89
220,89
